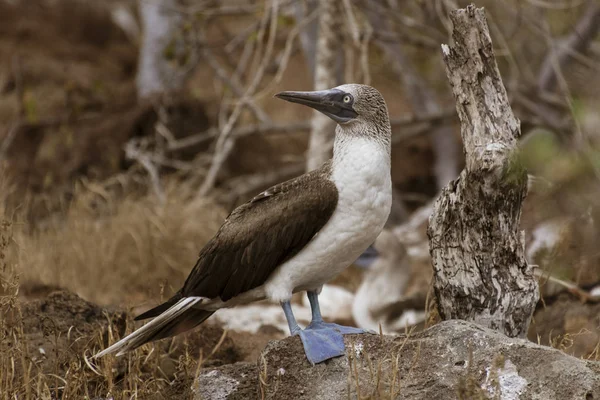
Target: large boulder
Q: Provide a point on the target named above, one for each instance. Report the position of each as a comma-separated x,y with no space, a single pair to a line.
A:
451,360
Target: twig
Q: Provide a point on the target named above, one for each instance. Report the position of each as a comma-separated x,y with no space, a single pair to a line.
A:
8,139
547,116
423,100
296,31
14,128
577,41
223,10
225,142
416,33
364,54
233,84
406,38
241,37
245,184
411,126
350,20
242,64
572,287
554,5
308,37
134,152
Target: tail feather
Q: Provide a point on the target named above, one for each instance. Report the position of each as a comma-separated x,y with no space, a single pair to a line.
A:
179,318
156,311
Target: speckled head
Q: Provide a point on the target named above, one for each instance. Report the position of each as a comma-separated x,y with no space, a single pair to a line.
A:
367,102
346,104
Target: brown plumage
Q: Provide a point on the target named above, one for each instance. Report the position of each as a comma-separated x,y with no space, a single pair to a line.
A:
254,240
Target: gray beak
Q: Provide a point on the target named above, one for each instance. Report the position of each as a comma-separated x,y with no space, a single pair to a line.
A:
330,102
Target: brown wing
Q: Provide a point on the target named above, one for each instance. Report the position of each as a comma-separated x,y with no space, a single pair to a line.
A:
260,235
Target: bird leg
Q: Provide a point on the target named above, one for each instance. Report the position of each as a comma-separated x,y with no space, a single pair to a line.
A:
291,320
319,344
317,320
321,340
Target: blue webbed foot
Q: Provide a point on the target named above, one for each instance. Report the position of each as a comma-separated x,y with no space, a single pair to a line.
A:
322,344
344,330
321,340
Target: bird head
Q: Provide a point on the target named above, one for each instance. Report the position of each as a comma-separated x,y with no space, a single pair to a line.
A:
345,104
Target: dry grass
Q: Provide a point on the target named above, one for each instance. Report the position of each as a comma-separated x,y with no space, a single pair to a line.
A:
111,250
66,371
118,250
383,378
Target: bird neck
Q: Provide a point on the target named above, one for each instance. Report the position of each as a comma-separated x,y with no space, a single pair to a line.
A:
371,139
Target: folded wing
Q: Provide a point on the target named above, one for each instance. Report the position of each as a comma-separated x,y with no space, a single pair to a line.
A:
262,234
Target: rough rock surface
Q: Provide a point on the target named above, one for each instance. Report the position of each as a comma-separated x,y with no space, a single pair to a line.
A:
451,360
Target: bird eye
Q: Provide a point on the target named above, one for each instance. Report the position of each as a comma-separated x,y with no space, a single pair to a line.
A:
347,99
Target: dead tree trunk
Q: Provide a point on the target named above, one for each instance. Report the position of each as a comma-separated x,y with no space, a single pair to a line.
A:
156,74
477,250
308,36
322,128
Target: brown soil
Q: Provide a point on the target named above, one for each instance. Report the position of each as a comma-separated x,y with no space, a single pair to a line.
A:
55,332
569,325
60,330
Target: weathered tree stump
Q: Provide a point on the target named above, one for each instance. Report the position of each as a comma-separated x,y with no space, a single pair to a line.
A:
477,249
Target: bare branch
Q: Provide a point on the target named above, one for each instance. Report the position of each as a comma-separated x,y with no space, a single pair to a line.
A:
225,142
156,75
241,186
423,100
572,287
406,128
222,74
133,151
577,41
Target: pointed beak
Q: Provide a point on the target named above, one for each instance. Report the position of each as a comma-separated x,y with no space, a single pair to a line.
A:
330,102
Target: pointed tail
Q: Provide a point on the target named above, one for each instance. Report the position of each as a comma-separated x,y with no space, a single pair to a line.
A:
179,318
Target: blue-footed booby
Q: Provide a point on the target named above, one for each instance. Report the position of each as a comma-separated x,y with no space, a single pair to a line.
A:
295,236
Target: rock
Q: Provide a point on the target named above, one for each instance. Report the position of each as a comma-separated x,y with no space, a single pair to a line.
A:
451,360
232,382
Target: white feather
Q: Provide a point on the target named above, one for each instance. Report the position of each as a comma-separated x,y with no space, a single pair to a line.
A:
361,173
134,339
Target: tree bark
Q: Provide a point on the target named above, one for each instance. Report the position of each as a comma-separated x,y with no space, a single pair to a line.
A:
323,128
156,75
308,36
477,249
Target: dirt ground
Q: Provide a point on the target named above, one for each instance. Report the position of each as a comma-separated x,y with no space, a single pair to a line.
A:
60,332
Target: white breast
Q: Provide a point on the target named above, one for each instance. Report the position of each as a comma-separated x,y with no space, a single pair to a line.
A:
361,172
